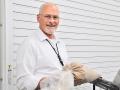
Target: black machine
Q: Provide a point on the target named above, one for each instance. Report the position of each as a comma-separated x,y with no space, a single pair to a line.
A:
104,84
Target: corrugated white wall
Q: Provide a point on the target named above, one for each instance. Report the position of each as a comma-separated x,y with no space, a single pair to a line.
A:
90,29
0,45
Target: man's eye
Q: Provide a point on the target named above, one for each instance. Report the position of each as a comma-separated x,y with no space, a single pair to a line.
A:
48,16
55,17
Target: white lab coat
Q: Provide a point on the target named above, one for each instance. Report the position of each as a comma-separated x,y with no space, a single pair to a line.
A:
37,59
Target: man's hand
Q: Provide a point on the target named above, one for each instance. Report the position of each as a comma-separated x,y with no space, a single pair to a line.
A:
77,71
41,83
82,74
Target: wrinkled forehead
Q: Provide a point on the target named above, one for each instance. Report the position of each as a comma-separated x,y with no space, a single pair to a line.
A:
49,9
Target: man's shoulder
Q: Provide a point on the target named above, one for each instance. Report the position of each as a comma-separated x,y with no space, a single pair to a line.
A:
61,41
28,41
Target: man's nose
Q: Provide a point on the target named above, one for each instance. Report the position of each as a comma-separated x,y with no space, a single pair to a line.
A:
51,20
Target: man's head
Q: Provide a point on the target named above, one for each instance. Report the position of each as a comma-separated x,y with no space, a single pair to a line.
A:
48,19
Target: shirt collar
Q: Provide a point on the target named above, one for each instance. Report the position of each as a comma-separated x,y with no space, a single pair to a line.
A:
42,37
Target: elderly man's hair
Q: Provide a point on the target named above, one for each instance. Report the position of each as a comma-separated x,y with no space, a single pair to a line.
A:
46,4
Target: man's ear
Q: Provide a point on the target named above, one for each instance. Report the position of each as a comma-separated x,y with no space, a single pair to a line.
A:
38,17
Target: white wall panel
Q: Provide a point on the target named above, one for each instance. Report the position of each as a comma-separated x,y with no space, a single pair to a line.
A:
90,29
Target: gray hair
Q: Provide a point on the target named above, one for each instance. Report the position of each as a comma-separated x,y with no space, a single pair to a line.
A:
46,4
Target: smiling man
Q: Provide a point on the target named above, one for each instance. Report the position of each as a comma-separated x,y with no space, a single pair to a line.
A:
42,54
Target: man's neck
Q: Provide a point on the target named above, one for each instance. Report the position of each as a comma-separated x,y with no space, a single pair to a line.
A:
51,36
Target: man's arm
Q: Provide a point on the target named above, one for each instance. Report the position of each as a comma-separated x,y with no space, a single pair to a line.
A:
26,61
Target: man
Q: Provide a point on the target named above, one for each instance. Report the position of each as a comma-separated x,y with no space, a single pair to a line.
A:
38,56
43,54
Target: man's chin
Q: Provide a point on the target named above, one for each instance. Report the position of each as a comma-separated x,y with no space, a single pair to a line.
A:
51,31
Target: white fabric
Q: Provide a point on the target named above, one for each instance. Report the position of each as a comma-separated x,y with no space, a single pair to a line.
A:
63,80
53,43
37,59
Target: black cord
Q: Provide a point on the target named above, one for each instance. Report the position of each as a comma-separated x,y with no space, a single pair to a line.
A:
57,52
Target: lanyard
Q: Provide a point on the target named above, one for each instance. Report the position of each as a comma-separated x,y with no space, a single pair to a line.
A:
56,52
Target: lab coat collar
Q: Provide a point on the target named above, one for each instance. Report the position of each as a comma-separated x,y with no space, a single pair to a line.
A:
42,37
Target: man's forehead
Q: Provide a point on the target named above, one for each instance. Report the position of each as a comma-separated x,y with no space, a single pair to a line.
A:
49,8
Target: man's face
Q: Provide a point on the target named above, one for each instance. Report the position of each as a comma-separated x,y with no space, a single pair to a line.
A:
48,19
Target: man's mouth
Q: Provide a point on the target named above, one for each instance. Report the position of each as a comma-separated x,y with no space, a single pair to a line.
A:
51,25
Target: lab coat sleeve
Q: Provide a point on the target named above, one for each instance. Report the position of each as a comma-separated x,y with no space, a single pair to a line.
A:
26,61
